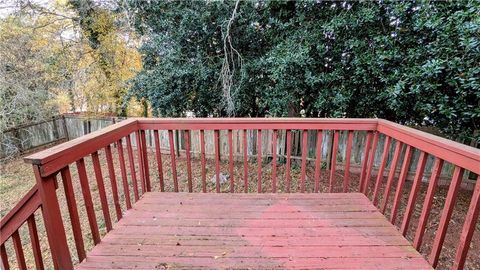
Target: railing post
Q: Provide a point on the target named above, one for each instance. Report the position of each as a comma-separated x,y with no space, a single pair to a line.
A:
52,218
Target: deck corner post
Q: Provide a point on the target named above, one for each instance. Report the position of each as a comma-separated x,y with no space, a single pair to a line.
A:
52,218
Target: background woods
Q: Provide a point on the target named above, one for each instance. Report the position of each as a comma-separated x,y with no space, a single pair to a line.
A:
415,63
49,64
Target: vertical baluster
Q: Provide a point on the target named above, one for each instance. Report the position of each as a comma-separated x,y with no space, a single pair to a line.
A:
132,168
73,212
189,160
216,138
87,198
101,190
468,228
113,181
259,161
304,160
230,160
245,160
348,157
202,154
391,175
52,219
371,163
318,160
37,251
366,154
146,169
422,160
141,166
427,204
274,160
17,245
123,172
446,215
4,257
333,161
400,183
174,163
289,151
379,180
158,154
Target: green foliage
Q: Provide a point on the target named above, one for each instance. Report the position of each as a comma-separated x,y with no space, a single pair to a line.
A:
414,63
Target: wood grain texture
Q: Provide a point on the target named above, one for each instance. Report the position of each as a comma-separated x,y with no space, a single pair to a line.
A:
333,161
35,241
274,160
131,162
304,160
173,160
17,246
288,164
204,174
158,155
189,160
3,253
87,198
260,231
230,160
245,161
113,181
73,213
318,160
101,190
348,157
259,161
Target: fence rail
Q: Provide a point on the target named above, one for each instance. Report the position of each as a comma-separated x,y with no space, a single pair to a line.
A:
380,136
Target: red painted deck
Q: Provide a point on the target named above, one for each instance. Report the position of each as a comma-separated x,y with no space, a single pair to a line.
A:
257,231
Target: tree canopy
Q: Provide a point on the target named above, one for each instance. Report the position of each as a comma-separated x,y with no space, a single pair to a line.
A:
48,64
414,63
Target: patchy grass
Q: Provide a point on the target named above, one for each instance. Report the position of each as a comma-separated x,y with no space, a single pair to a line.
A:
17,178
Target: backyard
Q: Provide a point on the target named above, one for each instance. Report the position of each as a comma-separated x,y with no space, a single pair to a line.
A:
116,101
17,179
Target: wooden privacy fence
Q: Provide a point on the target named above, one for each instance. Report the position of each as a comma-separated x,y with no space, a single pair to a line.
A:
129,183
58,129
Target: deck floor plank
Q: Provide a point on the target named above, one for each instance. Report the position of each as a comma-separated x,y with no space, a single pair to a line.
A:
253,231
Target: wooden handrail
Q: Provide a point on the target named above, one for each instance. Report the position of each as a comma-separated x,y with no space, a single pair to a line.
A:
456,153
257,123
460,154
19,214
55,158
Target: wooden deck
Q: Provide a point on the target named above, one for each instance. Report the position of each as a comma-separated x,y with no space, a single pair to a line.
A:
256,231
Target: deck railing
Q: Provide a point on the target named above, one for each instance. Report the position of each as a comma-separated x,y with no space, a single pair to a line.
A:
57,161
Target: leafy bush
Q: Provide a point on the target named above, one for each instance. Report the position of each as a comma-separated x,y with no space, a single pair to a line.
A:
413,63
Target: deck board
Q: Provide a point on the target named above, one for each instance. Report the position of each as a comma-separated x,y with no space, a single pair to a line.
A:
253,231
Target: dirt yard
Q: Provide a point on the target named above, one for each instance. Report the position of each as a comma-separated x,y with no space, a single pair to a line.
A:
17,178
